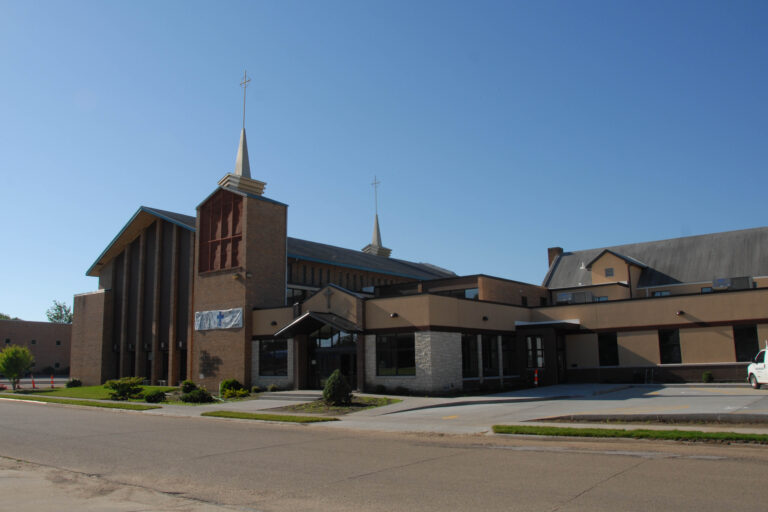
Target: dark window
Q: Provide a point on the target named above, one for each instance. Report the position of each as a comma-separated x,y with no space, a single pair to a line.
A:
58,342
662,293
706,289
669,346
56,365
542,301
273,357
609,272
745,340
760,357
290,273
601,298
607,349
535,348
304,274
34,342
312,275
7,341
469,367
395,354
490,355
509,355
524,300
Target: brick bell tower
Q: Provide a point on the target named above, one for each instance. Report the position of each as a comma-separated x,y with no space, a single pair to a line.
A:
240,259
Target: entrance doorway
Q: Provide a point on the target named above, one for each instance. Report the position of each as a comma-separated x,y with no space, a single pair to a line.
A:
328,350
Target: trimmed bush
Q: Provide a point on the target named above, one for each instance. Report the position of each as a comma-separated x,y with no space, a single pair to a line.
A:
188,386
707,377
74,383
255,389
228,384
273,387
154,397
234,393
125,388
337,390
197,396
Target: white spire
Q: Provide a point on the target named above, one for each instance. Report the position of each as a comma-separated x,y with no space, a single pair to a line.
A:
376,233
242,163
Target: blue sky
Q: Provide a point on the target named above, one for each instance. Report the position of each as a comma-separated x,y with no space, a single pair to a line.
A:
497,128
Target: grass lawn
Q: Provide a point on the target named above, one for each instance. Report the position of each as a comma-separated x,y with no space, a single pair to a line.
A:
87,403
359,403
669,435
91,392
268,417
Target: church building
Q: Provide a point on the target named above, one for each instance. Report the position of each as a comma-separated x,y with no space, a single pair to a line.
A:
227,294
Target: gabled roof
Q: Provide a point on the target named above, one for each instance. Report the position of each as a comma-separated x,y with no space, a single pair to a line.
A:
631,261
689,259
300,249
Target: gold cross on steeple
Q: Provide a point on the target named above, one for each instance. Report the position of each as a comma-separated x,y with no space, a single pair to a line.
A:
244,85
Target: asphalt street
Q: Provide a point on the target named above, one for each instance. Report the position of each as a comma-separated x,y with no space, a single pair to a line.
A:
68,458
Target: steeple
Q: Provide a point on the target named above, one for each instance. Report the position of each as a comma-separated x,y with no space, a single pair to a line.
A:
375,247
242,163
241,179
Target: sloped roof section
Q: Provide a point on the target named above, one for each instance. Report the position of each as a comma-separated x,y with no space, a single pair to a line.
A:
678,260
631,261
301,249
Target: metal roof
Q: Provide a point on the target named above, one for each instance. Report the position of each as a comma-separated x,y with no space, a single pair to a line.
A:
300,249
689,259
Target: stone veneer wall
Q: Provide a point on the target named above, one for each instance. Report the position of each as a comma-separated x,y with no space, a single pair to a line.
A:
438,364
281,382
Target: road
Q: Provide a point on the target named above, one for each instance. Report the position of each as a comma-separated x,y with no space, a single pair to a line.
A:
64,458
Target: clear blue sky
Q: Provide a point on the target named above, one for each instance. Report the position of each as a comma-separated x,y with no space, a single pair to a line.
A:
497,128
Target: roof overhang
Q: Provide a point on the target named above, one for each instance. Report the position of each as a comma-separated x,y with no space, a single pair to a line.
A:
312,321
570,325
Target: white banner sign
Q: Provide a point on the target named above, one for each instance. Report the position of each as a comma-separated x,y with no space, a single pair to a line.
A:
219,319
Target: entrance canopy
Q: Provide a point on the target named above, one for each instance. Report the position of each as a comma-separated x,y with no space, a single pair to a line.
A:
311,321
567,325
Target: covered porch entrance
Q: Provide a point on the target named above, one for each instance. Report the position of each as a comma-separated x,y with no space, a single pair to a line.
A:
544,344
324,343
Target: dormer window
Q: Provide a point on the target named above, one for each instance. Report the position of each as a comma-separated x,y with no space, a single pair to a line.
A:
609,272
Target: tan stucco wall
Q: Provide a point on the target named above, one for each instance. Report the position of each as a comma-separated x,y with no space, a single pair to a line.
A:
44,350
608,260
343,304
638,348
710,307
581,350
612,291
263,318
708,344
435,310
762,335
510,292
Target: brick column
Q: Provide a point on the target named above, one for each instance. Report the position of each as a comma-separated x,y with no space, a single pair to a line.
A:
124,363
174,354
157,358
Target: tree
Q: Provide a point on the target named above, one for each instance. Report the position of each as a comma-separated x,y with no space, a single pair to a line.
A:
15,361
337,390
59,313
3,316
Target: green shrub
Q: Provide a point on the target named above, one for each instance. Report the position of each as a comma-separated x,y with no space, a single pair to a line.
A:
125,388
154,397
74,383
197,396
255,389
234,393
707,377
273,387
188,386
228,384
337,390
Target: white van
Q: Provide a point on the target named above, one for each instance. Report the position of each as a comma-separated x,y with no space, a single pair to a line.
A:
757,373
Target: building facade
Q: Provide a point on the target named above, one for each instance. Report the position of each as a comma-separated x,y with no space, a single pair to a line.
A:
49,343
227,294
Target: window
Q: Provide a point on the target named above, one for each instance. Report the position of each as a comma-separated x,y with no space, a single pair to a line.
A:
490,355
535,349
273,358
469,368
472,294
661,293
602,298
56,365
509,355
745,341
312,276
609,272
542,301
33,342
220,232
706,289
524,300
607,349
395,355
760,357
7,341
669,346
58,343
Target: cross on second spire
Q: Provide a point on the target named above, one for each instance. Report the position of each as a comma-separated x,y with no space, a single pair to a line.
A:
244,85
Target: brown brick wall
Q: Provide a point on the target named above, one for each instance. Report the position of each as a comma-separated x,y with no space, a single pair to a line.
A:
45,334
